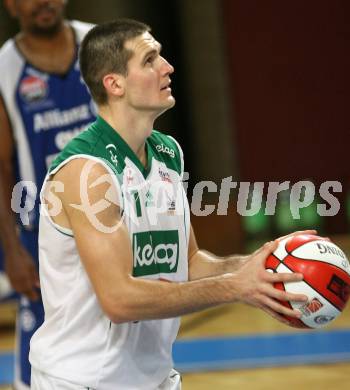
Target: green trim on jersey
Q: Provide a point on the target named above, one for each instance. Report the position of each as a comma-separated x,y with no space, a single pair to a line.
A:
102,141
165,149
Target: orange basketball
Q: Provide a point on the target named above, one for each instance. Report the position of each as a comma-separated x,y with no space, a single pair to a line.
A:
326,271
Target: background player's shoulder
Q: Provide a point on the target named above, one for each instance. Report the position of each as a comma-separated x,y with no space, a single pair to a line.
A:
81,28
11,65
83,143
9,54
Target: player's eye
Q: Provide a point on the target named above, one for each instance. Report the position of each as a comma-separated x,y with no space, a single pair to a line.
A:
150,59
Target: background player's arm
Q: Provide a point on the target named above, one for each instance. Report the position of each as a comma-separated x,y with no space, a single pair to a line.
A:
108,260
19,265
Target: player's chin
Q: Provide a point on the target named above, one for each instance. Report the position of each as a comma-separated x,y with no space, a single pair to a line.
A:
171,101
168,103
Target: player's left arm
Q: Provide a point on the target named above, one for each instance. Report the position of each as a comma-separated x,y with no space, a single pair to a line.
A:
203,264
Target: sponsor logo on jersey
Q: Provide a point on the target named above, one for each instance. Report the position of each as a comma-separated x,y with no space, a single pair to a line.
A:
165,149
311,307
50,119
27,320
164,176
33,89
129,175
171,205
112,149
155,252
149,199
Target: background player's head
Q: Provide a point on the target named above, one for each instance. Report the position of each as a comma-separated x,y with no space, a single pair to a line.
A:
121,60
38,17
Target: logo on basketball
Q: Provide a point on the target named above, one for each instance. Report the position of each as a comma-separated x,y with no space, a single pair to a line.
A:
311,307
339,287
326,248
321,320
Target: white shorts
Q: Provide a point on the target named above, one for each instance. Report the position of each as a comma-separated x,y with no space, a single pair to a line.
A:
41,381
172,382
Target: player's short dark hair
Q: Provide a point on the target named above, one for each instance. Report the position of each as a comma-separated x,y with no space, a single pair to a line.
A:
103,51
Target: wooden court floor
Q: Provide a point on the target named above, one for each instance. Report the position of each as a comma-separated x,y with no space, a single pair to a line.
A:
237,320
241,320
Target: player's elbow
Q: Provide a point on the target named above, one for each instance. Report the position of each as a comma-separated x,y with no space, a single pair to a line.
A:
118,310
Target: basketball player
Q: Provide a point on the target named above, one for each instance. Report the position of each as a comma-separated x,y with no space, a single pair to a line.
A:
118,258
43,104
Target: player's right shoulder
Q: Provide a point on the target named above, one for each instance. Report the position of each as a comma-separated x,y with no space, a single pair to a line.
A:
84,179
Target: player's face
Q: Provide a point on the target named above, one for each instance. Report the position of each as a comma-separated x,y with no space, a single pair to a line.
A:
40,17
148,79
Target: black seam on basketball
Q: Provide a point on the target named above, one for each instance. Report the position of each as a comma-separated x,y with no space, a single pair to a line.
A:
272,254
331,303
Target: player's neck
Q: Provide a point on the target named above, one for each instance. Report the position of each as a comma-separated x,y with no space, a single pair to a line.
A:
42,43
53,54
134,129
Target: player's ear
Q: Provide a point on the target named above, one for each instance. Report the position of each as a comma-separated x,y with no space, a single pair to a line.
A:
114,84
11,7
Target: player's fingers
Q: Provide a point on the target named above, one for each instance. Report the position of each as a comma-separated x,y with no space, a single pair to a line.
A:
283,277
286,296
263,252
279,308
298,232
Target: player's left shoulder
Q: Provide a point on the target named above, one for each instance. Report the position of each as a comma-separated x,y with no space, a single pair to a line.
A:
167,149
80,28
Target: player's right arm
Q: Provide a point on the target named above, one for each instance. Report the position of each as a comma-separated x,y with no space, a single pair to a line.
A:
107,258
19,265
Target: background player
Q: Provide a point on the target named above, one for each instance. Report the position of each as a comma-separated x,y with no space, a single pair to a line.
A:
43,104
109,319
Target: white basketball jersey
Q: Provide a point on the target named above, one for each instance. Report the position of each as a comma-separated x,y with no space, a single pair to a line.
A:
77,341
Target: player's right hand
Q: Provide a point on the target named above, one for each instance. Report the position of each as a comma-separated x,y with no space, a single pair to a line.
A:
255,285
23,275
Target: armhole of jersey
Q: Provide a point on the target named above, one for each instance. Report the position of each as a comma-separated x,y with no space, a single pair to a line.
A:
182,163
187,230
62,229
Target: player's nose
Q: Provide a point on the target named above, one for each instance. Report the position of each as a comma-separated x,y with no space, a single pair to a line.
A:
167,67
